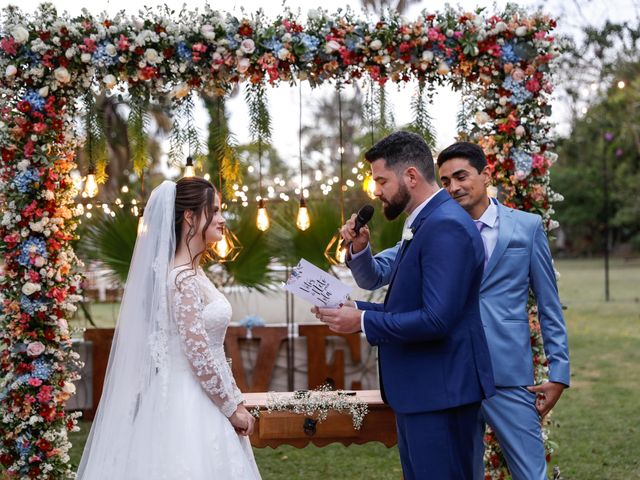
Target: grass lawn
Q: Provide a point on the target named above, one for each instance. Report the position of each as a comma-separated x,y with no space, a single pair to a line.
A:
597,419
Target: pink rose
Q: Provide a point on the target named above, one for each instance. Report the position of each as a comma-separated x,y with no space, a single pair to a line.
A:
517,75
35,382
35,348
247,46
243,65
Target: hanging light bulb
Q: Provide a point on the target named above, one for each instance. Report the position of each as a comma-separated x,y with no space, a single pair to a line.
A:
227,248
303,222
90,185
369,186
262,222
189,170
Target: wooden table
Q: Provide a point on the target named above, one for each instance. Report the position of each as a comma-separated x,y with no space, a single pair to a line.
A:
287,428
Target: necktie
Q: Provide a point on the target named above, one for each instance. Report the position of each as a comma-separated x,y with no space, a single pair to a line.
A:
481,226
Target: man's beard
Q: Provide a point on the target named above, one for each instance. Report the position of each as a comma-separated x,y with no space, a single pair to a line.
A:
396,204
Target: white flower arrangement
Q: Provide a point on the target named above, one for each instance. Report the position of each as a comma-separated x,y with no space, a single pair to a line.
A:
407,234
317,403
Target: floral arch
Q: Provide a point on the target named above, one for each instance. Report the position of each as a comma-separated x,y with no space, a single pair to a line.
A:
501,61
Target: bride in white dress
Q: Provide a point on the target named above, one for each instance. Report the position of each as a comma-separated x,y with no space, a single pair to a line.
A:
170,408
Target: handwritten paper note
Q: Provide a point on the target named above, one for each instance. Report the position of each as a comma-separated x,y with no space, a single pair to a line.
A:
316,286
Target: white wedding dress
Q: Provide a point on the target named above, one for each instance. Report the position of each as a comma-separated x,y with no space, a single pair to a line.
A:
190,436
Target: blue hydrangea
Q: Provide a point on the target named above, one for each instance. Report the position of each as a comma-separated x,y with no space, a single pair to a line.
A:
35,100
23,180
233,43
523,161
30,306
251,321
101,57
41,370
310,44
184,52
509,55
518,92
273,44
33,57
32,245
23,446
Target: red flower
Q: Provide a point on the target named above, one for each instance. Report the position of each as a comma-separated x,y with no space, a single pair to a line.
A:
9,45
245,30
147,73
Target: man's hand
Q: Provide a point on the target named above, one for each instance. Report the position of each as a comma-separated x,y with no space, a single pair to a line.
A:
547,395
358,242
345,319
242,421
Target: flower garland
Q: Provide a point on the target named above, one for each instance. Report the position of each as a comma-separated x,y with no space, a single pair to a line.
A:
47,60
317,403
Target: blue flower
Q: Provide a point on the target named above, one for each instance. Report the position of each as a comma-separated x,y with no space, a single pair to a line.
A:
273,44
509,55
35,100
30,247
24,180
23,446
518,92
101,57
30,306
233,43
251,321
184,52
522,160
41,370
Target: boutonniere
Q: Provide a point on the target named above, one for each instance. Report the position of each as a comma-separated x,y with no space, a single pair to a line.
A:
407,234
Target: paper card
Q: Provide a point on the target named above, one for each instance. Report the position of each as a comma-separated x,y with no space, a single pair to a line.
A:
316,286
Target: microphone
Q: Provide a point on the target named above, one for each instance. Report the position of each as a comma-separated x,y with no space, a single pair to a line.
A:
364,215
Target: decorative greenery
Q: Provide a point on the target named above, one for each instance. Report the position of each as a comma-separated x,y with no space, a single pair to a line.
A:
49,59
317,403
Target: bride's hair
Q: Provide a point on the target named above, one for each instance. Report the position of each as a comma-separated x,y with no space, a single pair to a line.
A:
195,194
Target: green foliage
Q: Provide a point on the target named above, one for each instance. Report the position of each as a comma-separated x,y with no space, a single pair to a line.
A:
95,144
139,125
422,122
580,171
110,240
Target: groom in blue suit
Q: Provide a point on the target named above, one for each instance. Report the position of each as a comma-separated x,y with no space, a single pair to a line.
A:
517,259
434,363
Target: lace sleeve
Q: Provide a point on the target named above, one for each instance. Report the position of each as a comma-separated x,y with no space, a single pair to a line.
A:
213,373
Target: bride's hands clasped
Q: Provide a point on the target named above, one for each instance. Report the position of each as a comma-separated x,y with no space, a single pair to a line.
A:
242,421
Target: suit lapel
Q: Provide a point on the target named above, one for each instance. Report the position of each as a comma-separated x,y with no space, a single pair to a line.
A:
434,203
505,231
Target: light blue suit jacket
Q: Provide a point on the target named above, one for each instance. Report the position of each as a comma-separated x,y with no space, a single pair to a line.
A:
520,260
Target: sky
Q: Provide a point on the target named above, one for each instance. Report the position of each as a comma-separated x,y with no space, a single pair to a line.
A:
283,100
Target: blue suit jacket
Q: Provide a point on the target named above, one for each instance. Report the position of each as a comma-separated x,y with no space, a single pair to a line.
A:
520,260
432,349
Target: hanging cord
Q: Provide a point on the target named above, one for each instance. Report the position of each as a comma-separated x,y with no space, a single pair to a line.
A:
339,87
300,135
218,108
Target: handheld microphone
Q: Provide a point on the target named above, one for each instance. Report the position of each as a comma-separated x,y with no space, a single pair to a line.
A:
364,215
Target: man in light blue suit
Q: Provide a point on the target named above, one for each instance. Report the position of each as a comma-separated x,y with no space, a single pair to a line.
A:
517,258
433,357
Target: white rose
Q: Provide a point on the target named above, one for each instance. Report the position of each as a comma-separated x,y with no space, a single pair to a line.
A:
386,59
109,81
286,37
208,32
43,92
85,57
111,50
20,34
30,288
482,117
427,56
243,65
248,46
283,54
10,71
23,164
151,56
180,91
375,44
331,46
62,75
521,31
70,52
69,388
500,27
443,68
